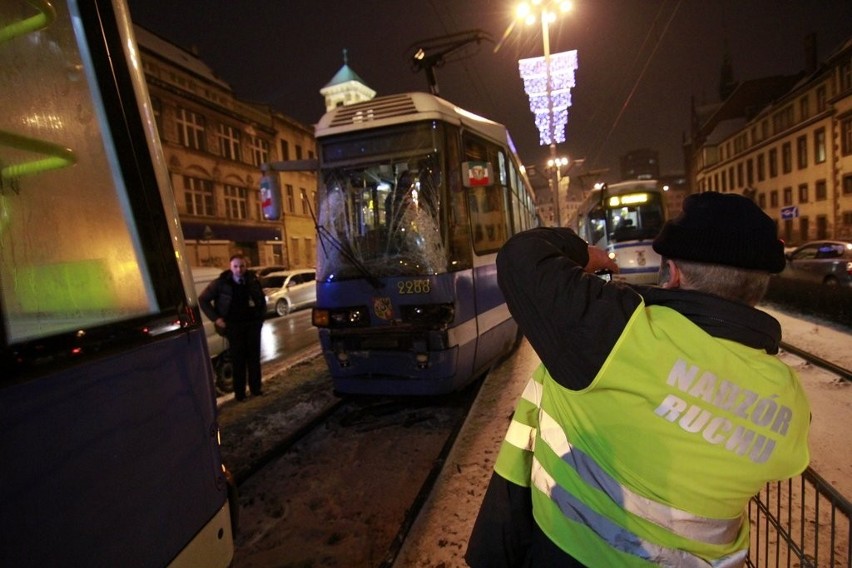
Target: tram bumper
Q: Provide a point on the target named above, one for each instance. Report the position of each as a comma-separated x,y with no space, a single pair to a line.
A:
389,371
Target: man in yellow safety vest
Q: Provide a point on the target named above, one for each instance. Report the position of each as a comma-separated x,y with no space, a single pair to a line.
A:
656,412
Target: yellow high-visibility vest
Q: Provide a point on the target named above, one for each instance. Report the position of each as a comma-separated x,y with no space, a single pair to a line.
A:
655,461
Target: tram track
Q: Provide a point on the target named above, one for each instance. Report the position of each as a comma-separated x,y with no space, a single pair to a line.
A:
843,373
429,483
325,510
282,446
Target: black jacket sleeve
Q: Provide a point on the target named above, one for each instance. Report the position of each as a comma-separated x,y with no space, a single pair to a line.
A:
207,299
571,318
503,529
258,297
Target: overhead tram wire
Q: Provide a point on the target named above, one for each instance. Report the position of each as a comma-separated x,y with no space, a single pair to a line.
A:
599,144
476,80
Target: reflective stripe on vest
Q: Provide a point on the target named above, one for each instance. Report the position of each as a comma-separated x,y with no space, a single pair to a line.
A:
514,461
682,523
679,522
522,436
619,537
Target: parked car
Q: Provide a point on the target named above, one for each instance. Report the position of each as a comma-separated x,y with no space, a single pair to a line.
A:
826,262
216,344
289,290
265,269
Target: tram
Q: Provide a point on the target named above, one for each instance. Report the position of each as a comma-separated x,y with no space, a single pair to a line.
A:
623,218
416,197
109,451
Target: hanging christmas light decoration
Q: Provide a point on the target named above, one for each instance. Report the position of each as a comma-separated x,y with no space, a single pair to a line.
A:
548,81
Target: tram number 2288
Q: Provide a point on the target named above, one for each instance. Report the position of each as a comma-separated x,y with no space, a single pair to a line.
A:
415,286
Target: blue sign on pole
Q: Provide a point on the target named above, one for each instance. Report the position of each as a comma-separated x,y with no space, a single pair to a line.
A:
790,212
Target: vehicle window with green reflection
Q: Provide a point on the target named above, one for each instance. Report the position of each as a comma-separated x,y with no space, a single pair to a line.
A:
69,253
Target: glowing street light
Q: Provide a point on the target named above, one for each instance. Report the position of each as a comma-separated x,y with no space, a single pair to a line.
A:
560,162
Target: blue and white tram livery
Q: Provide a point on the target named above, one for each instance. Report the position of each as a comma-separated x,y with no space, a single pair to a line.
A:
623,218
109,452
416,197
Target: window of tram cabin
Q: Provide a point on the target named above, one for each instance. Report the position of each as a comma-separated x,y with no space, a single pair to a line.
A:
518,218
458,225
487,203
71,253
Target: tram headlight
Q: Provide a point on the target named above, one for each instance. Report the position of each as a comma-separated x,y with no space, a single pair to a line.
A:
422,360
435,314
319,317
355,316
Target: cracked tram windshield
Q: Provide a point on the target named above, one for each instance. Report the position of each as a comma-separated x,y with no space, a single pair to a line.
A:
382,200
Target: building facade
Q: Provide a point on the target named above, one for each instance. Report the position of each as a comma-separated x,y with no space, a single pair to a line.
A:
643,163
675,188
786,142
214,145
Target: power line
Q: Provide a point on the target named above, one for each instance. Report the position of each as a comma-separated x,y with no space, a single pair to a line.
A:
599,145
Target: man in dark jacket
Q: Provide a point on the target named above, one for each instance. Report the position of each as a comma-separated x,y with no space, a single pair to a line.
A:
657,412
235,303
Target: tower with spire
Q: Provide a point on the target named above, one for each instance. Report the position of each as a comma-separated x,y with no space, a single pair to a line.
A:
727,83
346,87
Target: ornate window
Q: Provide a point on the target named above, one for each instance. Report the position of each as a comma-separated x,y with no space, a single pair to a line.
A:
198,196
259,150
191,129
229,142
236,202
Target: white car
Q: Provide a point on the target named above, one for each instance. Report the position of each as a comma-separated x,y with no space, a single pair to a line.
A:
216,344
289,290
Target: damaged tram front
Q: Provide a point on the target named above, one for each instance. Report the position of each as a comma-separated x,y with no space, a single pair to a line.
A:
416,197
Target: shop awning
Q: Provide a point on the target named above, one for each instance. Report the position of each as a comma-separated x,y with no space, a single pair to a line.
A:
236,233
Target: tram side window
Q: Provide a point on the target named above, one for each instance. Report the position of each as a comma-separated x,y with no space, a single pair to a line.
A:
488,215
458,219
69,251
517,218
597,227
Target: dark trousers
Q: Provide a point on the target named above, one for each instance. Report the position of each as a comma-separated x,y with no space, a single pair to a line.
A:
244,346
505,535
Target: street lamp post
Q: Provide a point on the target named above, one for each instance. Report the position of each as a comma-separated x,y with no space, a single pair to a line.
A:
545,35
555,166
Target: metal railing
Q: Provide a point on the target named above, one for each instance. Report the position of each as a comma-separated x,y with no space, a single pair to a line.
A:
800,523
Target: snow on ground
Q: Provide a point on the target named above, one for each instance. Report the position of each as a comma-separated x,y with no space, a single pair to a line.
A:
830,398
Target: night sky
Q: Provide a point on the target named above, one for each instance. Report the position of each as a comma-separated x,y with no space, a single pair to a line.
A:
640,61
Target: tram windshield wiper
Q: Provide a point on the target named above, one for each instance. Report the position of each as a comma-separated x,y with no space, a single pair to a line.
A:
345,249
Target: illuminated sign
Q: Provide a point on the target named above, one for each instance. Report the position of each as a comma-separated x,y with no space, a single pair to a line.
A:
631,199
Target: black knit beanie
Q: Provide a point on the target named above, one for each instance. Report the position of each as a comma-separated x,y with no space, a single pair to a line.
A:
727,229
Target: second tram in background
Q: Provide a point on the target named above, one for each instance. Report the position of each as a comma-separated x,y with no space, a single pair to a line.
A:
623,218
416,197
